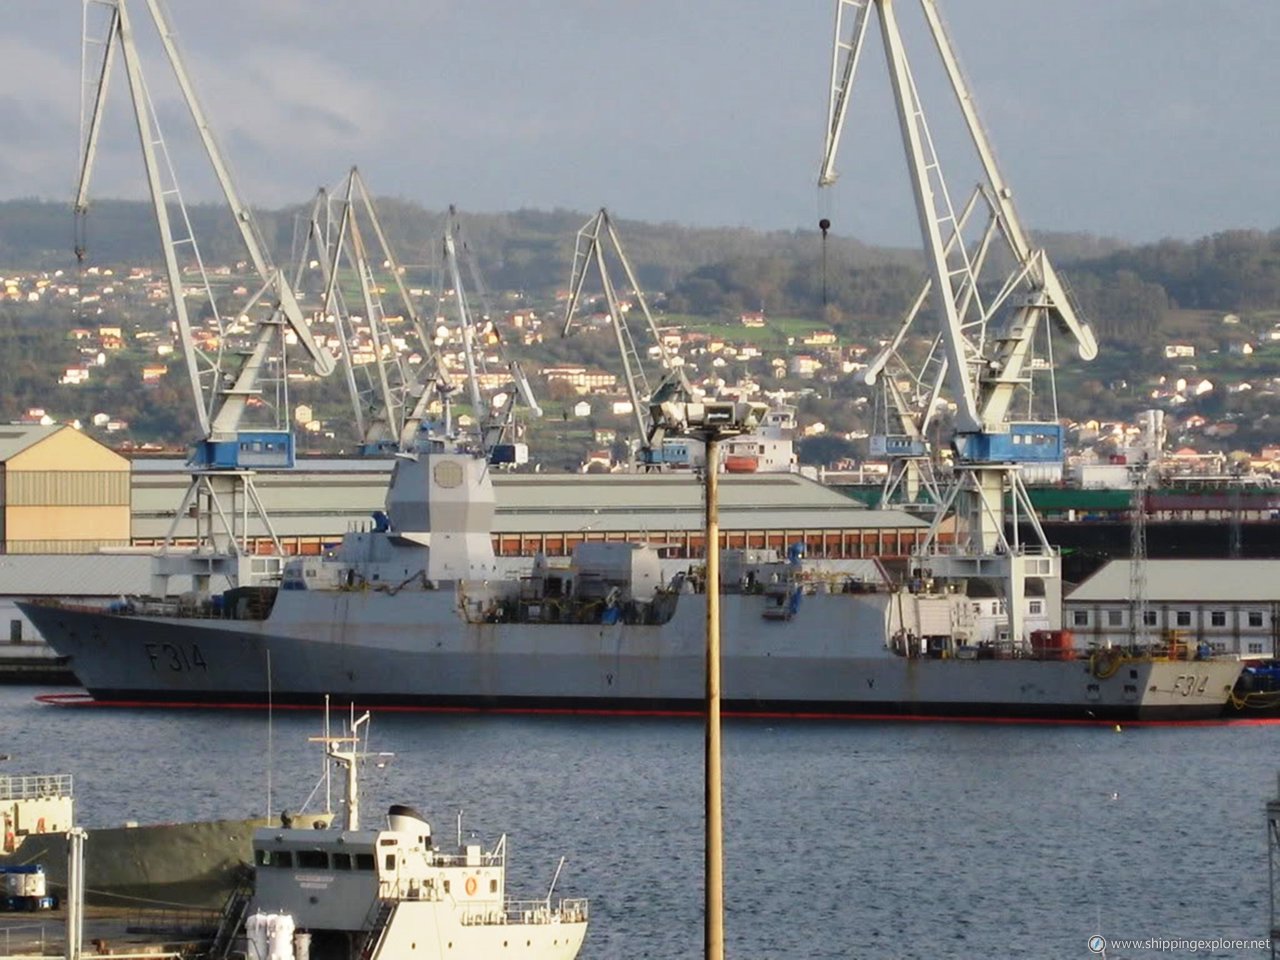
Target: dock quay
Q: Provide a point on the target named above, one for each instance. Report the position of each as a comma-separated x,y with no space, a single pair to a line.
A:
34,663
108,932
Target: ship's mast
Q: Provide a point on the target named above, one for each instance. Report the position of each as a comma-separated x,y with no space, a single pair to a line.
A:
347,759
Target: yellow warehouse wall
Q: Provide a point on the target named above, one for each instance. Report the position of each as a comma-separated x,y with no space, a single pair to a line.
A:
66,523
68,449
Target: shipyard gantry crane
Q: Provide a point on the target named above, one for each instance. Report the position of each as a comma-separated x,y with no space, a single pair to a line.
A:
232,371
988,325
493,396
593,243
345,237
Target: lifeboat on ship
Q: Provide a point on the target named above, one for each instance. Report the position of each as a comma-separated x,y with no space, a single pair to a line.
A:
741,463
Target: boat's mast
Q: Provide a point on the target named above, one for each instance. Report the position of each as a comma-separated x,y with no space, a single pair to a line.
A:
347,758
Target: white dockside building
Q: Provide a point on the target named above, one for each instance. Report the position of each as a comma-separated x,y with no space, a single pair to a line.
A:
1232,605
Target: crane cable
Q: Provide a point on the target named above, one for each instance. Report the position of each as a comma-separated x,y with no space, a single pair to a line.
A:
80,244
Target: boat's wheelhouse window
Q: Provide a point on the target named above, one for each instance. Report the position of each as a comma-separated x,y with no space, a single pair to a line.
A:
340,861
273,858
391,861
364,861
313,859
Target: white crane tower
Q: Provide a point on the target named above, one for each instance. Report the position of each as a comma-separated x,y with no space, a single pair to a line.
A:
235,375
990,311
592,246
493,395
345,237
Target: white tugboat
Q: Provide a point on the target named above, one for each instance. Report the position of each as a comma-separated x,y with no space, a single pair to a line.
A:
392,894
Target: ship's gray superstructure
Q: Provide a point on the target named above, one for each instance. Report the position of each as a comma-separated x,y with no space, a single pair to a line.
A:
413,613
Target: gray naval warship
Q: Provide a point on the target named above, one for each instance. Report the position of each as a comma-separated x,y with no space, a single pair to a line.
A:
413,612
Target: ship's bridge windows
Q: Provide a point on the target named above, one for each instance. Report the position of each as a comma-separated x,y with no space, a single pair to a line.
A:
273,858
340,861
313,859
364,861
390,861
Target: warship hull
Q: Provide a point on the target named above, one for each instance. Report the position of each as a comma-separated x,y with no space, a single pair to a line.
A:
420,649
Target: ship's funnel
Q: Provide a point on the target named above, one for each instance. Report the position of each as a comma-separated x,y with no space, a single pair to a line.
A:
403,819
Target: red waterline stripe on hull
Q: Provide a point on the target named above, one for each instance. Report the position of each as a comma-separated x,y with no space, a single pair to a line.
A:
86,700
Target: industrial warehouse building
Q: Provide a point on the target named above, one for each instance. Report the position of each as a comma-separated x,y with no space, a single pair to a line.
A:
1232,605
319,500
61,492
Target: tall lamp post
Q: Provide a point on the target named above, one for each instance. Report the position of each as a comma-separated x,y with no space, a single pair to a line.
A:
673,411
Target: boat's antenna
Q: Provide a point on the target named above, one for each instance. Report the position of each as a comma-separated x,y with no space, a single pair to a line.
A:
459,829
270,733
556,877
328,766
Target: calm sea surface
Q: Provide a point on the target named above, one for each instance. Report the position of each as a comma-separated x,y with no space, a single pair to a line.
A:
842,839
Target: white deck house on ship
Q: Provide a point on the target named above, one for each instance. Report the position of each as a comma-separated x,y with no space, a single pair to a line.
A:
1232,605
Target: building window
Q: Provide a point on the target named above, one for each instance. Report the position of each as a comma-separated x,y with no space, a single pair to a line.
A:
1036,606
1255,619
1255,648
1218,618
1080,618
1150,618
1183,618
1115,618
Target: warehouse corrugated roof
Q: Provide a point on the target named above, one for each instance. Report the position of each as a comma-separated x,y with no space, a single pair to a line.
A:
78,574
1170,581
16,437
311,499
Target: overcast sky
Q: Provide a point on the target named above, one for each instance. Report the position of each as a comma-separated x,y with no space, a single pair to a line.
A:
1132,118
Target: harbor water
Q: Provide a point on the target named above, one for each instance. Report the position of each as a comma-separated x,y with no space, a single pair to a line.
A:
868,840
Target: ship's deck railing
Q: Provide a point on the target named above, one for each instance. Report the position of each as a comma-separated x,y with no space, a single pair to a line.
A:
488,858
536,912
35,786
1026,549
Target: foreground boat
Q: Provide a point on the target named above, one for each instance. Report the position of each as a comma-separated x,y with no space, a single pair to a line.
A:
393,894
413,613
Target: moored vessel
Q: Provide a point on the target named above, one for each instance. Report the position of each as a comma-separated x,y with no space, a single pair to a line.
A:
414,613
393,893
